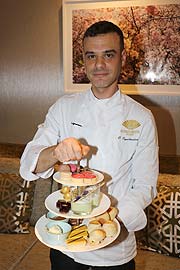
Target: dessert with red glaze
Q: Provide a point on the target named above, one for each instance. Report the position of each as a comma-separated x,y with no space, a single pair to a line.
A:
84,177
77,178
89,178
77,174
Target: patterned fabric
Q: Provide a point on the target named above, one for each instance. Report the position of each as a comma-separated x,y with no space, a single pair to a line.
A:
162,233
16,199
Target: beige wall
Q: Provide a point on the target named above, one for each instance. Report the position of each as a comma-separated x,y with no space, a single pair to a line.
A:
30,66
166,110
31,74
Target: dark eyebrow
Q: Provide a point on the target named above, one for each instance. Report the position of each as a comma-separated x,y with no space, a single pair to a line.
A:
107,51
89,52
110,51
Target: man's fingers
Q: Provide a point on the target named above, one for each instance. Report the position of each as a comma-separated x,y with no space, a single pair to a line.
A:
85,150
70,149
76,151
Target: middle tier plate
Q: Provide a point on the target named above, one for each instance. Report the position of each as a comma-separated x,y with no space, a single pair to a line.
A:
51,200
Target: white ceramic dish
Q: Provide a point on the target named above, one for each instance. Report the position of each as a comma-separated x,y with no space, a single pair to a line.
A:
42,236
51,200
57,178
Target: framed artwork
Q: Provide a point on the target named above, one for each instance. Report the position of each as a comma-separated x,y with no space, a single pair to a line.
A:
152,42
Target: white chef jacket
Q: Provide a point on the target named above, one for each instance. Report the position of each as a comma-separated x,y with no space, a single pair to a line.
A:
124,146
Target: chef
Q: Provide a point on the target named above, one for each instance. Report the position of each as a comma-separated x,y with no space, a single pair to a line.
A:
107,131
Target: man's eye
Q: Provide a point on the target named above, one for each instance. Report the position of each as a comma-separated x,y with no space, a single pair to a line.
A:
109,55
91,56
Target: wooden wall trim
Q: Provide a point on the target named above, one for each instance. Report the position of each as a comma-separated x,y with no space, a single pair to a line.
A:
169,164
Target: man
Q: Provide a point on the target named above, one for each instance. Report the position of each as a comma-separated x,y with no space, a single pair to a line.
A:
111,133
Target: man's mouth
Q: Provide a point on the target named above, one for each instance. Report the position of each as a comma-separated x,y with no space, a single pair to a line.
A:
99,74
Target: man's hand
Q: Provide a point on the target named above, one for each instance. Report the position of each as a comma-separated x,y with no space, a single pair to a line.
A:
67,150
70,149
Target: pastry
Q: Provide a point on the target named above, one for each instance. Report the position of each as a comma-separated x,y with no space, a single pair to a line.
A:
112,211
103,217
77,178
65,176
77,230
89,178
84,177
97,236
110,228
110,214
77,237
78,243
93,225
82,234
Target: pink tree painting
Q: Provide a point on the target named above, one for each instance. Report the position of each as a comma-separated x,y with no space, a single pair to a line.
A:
152,39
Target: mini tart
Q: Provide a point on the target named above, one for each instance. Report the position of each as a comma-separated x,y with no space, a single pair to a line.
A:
89,178
65,175
77,178
84,177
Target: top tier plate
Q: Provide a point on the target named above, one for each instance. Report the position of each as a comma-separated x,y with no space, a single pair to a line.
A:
57,178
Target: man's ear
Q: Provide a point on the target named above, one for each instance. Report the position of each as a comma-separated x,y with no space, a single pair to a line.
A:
123,57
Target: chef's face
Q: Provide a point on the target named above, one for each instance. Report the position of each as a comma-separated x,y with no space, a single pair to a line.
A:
103,60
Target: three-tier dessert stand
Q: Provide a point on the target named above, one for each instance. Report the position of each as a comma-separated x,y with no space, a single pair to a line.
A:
50,203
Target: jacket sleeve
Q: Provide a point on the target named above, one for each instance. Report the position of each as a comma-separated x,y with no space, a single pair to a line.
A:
145,169
48,134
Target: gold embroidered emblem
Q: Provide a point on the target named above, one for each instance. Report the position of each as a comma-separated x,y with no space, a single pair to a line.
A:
131,124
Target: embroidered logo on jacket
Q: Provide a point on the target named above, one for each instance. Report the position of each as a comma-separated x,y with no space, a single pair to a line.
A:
131,124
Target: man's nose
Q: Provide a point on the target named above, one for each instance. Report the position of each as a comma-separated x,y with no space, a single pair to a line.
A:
100,62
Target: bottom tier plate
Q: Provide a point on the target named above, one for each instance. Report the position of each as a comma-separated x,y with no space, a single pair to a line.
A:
41,234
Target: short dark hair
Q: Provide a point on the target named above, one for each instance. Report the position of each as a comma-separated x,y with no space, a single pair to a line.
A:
104,27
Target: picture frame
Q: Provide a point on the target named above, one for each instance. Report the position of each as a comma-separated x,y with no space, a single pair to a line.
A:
80,14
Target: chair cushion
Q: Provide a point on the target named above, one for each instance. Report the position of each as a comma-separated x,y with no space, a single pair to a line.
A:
162,233
16,198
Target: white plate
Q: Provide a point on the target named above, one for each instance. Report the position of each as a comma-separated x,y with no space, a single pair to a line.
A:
51,200
57,178
42,236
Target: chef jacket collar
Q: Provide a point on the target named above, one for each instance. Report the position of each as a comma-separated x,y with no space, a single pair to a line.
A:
110,102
